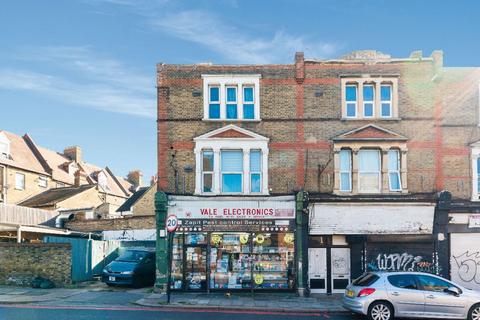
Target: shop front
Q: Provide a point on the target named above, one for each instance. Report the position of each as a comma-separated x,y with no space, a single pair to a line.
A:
348,239
233,243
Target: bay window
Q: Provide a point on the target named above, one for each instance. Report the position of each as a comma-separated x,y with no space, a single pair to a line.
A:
369,171
345,170
207,171
255,171
231,160
394,170
232,171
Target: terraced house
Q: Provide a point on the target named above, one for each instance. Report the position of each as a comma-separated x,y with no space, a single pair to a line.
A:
33,176
302,176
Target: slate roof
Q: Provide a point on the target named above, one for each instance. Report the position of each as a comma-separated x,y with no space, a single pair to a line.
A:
127,205
53,196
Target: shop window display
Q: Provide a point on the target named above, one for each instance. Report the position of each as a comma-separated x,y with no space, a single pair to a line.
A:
177,262
273,259
236,260
230,266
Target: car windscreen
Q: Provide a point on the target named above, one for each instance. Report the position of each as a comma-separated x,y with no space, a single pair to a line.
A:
366,280
132,256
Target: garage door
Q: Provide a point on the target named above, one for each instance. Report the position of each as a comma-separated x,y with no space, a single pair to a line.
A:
465,259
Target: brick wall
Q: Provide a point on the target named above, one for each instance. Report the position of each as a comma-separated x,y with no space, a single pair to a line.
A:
146,204
127,223
300,106
20,263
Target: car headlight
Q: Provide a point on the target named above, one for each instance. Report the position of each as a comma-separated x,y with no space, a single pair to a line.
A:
105,270
127,272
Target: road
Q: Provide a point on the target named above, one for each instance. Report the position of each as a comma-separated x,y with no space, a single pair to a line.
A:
29,312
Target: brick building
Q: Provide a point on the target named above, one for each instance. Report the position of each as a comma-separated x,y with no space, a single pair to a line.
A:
372,139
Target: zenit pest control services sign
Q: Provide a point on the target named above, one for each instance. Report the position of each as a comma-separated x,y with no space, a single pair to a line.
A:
232,209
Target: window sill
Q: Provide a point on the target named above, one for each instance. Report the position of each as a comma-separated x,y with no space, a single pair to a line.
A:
370,119
231,120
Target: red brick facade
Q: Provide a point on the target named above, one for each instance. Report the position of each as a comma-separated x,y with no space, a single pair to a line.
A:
300,111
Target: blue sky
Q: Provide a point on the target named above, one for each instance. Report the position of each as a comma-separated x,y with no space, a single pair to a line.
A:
83,72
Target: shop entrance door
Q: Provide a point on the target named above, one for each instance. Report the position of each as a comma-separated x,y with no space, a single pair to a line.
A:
340,266
196,268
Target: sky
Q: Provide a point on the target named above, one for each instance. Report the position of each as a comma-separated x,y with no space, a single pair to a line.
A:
83,72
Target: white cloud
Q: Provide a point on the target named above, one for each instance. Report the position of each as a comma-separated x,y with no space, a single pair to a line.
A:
212,32
82,78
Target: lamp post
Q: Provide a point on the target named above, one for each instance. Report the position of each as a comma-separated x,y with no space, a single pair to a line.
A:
161,278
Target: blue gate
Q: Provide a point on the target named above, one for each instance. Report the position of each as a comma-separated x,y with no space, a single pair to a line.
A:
89,257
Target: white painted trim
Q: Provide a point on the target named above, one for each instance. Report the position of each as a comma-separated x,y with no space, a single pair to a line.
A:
205,142
226,80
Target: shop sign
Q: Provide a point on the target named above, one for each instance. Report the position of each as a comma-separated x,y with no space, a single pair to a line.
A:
238,209
474,221
206,225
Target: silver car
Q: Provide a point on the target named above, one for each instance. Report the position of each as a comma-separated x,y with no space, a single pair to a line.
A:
383,295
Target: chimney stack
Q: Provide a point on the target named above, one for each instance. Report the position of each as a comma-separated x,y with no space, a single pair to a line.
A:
73,153
135,177
80,178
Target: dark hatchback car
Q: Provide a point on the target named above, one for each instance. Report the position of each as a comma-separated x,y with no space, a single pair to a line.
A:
134,267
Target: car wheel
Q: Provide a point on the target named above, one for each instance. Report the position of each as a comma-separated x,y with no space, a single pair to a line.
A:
474,313
380,311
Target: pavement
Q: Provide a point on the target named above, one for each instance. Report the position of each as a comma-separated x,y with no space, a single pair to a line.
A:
97,294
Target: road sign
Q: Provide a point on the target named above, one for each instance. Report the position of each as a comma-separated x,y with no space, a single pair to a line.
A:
172,223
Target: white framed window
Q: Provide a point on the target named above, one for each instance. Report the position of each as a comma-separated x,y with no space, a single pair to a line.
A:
368,100
231,102
369,171
394,180
60,185
19,181
230,165
207,171
232,97
232,171
214,102
345,170
42,182
248,102
351,100
475,164
4,146
256,171
369,97
386,100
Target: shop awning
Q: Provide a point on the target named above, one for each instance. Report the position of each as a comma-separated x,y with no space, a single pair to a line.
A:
381,218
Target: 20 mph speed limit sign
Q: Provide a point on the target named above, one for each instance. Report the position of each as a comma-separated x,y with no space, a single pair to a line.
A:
172,223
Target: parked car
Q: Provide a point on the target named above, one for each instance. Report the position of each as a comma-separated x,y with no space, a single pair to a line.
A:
135,267
383,295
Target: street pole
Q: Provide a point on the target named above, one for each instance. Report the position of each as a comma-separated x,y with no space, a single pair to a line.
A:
161,278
